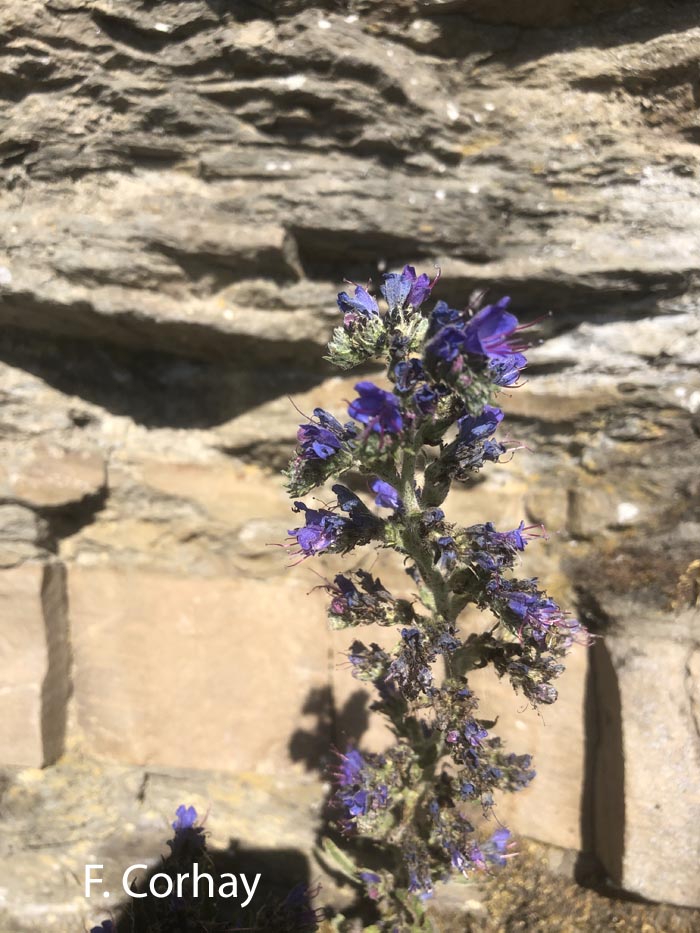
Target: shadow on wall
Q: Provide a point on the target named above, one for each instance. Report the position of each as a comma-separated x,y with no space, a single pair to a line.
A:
157,390
281,893
603,803
346,726
603,797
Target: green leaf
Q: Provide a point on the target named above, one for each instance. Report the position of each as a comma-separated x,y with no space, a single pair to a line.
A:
343,862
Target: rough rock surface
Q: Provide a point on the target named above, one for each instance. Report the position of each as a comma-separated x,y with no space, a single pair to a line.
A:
185,185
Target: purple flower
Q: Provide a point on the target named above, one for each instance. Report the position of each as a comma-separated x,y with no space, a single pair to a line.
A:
474,734
322,531
386,497
498,548
418,868
107,926
185,818
534,612
476,857
443,354
370,663
442,315
495,848
425,398
505,370
360,790
378,409
447,554
346,594
515,539
487,333
483,339
320,441
316,442
545,693
474,427
352,765
361,306
372,881
432,517
406,287
519,771
407,373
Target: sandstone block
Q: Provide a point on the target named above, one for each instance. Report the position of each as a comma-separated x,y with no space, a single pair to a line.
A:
652,760
195,672
45,475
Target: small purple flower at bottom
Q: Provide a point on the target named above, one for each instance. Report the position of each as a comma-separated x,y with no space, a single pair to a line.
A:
386,497
185,818
107,926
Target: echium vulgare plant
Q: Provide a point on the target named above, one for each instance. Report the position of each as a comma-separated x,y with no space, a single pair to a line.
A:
413,810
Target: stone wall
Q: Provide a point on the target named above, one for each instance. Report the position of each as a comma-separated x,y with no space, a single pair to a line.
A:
185,186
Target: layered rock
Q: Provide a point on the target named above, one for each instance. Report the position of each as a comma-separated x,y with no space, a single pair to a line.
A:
186,184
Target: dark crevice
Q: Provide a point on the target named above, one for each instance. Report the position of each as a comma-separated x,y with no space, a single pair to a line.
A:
15,88
603,803
461,30
331,254
221,271
56,685
147,41
645,80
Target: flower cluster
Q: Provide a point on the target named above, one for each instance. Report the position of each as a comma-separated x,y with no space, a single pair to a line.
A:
359,598
432,422
325,449
326,530
362,788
